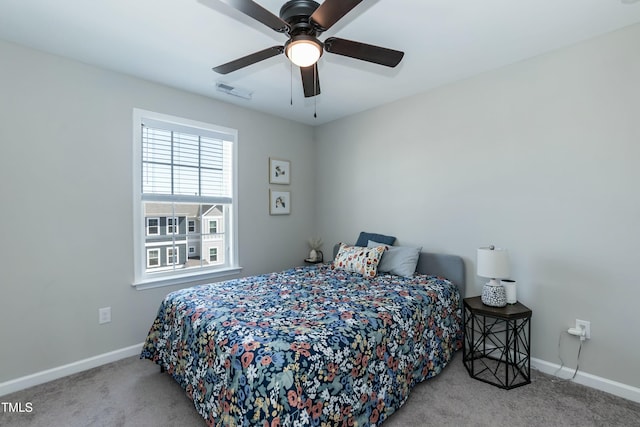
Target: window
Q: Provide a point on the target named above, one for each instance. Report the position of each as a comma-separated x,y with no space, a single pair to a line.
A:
153,226
173,255
172,225
185,198
153,258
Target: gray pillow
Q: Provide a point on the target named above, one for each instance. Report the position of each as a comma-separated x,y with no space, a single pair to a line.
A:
398,260
364,237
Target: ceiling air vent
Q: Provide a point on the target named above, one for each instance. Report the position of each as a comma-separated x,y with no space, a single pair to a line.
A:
235,91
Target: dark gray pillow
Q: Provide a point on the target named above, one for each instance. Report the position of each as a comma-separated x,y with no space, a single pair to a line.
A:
364,238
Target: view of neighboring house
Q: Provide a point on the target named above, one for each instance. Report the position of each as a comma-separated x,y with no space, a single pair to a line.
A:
183,235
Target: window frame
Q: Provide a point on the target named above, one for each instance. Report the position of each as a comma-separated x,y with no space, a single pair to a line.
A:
157,250
146,280
175,223
157,226
173,252
215,223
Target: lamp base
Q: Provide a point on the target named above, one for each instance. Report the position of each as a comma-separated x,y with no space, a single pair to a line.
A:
494,295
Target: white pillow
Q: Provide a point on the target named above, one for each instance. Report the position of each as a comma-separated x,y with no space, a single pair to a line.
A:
398,260
358,259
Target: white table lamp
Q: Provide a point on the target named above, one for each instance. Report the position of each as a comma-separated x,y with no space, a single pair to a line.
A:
493,263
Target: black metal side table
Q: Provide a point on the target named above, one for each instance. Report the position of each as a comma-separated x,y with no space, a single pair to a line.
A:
497,343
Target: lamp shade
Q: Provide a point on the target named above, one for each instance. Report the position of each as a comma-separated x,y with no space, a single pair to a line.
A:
493,263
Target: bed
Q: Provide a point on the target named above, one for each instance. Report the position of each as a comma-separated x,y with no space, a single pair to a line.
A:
315,345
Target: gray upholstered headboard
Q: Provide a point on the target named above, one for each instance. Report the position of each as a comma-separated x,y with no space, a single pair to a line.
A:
444,265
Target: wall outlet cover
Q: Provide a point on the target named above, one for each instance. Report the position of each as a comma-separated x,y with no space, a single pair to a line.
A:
104,315
586,325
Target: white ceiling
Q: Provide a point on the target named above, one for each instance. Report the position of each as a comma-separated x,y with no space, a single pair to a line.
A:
177,42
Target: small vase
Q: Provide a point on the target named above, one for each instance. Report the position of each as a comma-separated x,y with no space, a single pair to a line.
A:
510,290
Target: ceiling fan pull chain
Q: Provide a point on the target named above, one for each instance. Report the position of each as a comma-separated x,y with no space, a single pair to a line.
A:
315,90
291,83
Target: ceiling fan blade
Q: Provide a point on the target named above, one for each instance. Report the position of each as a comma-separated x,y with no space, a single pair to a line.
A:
363,51
330,12
310,80
259,13
251,59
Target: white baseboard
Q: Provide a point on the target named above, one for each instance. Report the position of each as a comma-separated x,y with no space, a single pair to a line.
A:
599,383
42,377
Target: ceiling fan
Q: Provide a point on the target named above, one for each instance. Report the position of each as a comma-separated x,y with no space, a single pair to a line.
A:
303,21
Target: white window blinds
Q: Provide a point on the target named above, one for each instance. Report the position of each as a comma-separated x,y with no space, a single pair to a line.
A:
185,164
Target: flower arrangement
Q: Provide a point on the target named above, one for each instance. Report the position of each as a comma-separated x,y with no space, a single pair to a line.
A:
315,243
315,255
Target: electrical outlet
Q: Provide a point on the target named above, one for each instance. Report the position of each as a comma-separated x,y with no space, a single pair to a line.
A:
104,315
586,325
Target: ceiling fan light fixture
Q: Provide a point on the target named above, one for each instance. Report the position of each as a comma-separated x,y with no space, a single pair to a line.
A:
303,50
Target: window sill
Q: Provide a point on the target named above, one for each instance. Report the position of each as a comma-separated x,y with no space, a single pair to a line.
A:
184,279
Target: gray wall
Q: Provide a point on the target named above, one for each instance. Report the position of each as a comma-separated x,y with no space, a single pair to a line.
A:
66,193
540,157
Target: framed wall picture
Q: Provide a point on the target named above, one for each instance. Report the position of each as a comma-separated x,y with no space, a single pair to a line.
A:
279,171
279,202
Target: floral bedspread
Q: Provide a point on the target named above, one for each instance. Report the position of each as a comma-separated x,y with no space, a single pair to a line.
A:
309,346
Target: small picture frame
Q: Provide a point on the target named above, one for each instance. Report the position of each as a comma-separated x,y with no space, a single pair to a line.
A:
279,202
279,171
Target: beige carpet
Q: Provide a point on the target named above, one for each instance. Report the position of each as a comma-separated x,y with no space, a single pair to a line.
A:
132,392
